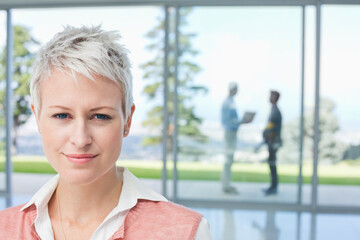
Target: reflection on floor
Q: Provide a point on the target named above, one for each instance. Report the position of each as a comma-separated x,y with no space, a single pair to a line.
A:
273,225
229,224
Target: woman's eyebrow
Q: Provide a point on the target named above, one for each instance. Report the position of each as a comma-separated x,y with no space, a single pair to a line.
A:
93,109
59,106
102,107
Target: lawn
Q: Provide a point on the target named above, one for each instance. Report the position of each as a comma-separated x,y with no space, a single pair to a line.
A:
339,174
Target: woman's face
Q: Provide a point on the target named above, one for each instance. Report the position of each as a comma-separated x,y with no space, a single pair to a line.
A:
82,125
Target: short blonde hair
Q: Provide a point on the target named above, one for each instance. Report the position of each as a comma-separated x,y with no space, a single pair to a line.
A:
88,51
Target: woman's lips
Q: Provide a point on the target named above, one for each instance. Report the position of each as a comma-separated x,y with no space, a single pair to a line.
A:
80,158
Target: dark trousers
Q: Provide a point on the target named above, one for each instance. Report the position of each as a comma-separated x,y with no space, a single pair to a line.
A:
272,166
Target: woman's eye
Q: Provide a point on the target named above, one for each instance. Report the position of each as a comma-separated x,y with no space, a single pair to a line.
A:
102,117
61,115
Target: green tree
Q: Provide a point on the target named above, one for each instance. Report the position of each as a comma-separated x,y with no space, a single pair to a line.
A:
188,122
330,149
22,62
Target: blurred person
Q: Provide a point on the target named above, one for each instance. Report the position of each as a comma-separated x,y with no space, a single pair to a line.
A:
81,91
272,137
230,121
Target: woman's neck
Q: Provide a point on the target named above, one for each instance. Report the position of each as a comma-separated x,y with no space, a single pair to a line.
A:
84,203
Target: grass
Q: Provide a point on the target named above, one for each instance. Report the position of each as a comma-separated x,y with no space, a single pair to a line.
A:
339,174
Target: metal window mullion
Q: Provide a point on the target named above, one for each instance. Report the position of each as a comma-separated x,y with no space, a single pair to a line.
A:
165,106
94,3
175,134
301,136
8,108
317,110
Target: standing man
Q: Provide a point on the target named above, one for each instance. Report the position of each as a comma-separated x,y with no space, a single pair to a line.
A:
231,122
272,137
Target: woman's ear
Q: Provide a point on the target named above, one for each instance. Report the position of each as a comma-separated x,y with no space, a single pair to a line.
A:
128,122
36,117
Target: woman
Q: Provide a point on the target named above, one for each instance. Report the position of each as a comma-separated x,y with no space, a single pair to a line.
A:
81,94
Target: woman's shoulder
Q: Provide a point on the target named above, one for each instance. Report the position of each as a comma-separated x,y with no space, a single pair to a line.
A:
167,213
13,216
11,212
165,207
164,220
16,224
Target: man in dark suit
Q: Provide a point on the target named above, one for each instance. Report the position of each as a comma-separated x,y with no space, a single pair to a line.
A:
272,137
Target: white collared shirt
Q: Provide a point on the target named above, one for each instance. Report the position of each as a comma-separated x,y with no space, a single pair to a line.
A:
132,190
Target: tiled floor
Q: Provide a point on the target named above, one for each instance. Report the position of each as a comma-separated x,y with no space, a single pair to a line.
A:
234,224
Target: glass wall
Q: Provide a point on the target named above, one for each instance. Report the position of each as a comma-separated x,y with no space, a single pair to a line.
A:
339,147
259,49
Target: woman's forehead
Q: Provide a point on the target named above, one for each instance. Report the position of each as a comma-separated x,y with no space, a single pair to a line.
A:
72,89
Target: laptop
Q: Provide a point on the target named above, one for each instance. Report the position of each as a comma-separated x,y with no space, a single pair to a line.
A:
248,117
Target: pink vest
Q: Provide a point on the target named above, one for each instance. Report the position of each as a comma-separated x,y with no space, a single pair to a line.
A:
148,219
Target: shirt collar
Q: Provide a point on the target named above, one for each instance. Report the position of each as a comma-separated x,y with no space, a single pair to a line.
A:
133,189
42,197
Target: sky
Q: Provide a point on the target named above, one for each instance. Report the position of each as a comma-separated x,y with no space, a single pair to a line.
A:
257,47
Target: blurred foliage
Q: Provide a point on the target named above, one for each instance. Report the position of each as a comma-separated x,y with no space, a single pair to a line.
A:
352,162
188,121
24,44
331,150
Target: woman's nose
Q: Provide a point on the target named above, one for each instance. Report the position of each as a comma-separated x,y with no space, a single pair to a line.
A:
80,136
